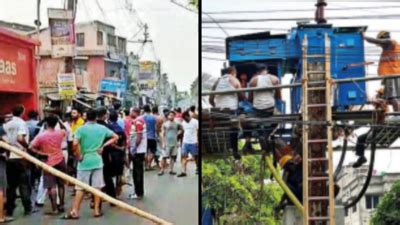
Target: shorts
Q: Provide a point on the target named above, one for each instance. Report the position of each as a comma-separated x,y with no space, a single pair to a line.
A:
151,146
92,177
49,180
169,151
190,148
392,88
3,175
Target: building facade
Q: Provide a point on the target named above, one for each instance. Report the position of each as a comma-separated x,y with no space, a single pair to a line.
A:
100,54
351,184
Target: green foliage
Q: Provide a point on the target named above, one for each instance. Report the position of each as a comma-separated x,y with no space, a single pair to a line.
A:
234,192
195,3
388,211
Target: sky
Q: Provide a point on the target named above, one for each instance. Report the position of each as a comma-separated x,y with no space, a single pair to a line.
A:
173,29
384,158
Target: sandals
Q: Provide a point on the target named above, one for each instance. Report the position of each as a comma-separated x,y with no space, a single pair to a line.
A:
99,215
52,213
70,216
7,219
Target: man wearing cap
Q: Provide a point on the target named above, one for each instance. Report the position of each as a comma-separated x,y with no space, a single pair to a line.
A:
389,64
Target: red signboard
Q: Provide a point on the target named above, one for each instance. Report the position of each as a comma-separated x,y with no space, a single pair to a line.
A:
17,72
15,68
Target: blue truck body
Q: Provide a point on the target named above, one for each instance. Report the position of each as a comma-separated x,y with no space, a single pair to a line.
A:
282,54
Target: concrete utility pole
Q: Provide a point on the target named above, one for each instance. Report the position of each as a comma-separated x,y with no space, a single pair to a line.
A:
69,61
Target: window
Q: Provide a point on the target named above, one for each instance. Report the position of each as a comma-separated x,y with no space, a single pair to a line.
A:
371,201
111,40
80,66
99,38
80,39
354,208
121,45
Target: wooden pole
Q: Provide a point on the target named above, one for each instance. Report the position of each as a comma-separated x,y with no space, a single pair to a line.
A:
305,132
86,187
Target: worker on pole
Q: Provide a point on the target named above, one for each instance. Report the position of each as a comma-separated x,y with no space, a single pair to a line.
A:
389,64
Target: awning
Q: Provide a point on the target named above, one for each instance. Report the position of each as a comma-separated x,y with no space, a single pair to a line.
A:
82,103
53,96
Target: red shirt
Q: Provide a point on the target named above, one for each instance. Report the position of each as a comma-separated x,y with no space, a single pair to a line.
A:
49,143
128,125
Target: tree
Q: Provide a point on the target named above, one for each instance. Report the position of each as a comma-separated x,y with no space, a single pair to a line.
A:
388,211
234,191
194,3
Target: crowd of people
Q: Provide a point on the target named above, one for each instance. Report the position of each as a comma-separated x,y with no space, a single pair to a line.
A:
100,147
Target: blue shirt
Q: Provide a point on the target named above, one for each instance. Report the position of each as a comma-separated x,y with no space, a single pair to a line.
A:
121,123
151,123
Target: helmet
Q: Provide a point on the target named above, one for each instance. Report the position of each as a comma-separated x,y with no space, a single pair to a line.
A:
383,34
284,160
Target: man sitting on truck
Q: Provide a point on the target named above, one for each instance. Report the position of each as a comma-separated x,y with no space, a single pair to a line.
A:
389,64
264,101
227,104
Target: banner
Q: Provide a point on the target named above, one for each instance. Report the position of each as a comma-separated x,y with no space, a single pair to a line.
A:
66,85
148,78
114,86
62,34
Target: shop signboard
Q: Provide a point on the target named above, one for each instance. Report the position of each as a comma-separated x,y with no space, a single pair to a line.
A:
148,78
62,34
66,85
114,86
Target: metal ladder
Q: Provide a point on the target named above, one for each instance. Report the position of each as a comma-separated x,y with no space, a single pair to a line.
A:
318,187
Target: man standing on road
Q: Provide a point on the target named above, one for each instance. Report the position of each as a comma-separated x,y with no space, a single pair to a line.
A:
389,64
151,126
169,142
88,147
18,168
159,123
49,145
138,148
77,120
190,142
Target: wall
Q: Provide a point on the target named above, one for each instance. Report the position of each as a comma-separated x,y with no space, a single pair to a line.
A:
96,72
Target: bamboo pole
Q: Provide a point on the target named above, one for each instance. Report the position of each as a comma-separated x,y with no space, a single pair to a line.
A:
282,184
305,83
86,187
329,129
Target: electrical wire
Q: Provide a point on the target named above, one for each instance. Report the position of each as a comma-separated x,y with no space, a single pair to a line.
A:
299,10
219,21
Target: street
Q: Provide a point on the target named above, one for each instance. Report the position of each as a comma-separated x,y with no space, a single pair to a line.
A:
167,197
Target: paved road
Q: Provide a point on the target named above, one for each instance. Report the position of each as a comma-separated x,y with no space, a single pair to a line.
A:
168,197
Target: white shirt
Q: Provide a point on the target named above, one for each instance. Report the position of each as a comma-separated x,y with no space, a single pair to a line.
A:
190,131
138,127
222,101
264,99
16,126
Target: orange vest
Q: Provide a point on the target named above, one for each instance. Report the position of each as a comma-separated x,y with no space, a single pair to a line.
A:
389,63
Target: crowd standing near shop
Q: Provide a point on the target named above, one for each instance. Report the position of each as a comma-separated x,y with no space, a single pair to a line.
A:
102,147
